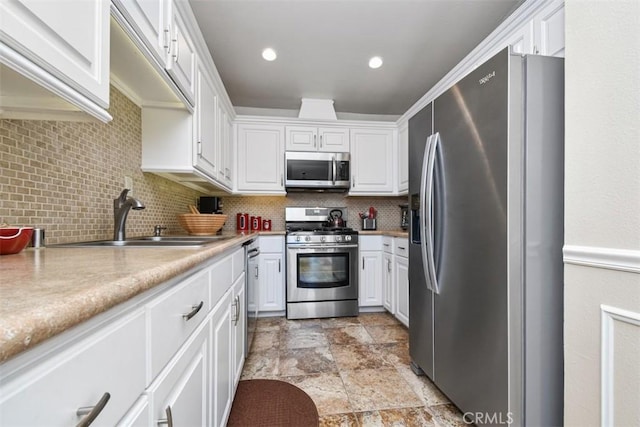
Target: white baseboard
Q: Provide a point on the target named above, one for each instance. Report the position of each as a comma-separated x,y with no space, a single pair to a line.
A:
614,259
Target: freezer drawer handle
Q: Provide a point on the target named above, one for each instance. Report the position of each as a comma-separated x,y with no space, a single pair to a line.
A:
92,412
193,312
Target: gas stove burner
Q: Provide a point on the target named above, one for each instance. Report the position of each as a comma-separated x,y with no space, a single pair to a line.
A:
333,229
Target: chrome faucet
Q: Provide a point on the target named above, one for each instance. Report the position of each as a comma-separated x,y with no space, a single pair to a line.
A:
121,206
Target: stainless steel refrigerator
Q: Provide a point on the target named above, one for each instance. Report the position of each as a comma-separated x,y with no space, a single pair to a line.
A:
486,162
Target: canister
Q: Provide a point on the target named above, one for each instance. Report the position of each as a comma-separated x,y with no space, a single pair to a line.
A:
242,222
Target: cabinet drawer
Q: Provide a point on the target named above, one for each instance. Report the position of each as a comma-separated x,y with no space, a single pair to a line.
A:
401,247
387,244
169,324
221,281
238,263
272,244
109,361
370,243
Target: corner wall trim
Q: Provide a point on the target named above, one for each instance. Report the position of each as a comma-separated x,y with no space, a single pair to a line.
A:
614,259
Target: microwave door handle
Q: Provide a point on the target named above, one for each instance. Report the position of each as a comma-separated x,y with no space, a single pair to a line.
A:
335,169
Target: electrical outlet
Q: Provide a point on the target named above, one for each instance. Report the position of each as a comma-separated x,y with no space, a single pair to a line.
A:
128,184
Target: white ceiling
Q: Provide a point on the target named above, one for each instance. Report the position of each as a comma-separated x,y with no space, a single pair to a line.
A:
324,46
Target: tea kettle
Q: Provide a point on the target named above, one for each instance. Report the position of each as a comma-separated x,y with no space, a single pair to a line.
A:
335,218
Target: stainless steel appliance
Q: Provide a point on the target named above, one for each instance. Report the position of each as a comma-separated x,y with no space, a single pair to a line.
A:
486,231
252,250
322,265
319,171
404,216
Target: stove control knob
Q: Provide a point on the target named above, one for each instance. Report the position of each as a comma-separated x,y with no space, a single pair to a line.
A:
338,238
347,238
308,239
323,238
297,238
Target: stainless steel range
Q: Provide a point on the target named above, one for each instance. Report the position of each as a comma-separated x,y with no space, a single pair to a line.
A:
322,263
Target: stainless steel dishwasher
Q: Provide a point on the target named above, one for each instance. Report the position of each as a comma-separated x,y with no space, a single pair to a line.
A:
252,250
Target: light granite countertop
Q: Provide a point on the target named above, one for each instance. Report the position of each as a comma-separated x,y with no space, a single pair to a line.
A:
46,291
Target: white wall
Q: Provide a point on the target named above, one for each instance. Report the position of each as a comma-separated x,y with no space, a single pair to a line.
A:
602,219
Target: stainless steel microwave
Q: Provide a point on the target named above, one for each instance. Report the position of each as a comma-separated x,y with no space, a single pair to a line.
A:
319,171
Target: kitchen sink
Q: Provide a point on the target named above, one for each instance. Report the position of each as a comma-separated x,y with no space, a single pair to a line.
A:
150,241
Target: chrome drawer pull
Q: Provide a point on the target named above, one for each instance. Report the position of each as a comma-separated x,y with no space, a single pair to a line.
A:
92,412
169,420
196,309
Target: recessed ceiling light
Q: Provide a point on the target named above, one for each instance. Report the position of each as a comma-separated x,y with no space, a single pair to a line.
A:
375,62
269,54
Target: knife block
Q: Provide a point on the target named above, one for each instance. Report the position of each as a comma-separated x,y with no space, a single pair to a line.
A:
369,224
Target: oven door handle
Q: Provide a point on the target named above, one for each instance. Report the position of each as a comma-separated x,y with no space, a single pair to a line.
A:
321,248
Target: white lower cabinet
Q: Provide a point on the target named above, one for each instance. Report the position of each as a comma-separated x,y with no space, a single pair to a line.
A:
221,361
55,391
179,395
172,358
370,276
271,275
388,277
401,271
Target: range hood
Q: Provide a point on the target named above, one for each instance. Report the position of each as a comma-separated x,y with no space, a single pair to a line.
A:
321,109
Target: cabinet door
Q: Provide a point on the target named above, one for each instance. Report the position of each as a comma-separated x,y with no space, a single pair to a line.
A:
388,284
181,64
370,292
180,398
371,161
301,138
69,39
221,361
261,158
403,158
548,27
224,147
402,289
150,20
239,327
207,142
333,140
271,282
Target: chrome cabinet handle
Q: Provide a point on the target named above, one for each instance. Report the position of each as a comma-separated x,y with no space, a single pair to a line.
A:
363,263
167,37
256,271
177,49
236,310
389,266
400,247
279,267
353,181
314,140
320,141
281,179
90,413
169,420
196,309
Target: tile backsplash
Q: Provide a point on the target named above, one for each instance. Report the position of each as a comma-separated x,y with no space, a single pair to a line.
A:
63,176
273,207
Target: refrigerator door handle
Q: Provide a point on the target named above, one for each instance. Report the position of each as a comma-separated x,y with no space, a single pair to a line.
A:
423,217
430,232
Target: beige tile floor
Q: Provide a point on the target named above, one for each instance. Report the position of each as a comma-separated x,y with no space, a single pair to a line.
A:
356,370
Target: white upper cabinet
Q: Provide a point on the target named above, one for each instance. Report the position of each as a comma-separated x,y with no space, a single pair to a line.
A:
261,158
206,158
225,147
372,161
403,158
165,32
69,40
181,63
150,20
548,27
311,138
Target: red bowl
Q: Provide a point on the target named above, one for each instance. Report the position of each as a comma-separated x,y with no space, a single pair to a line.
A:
14,239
